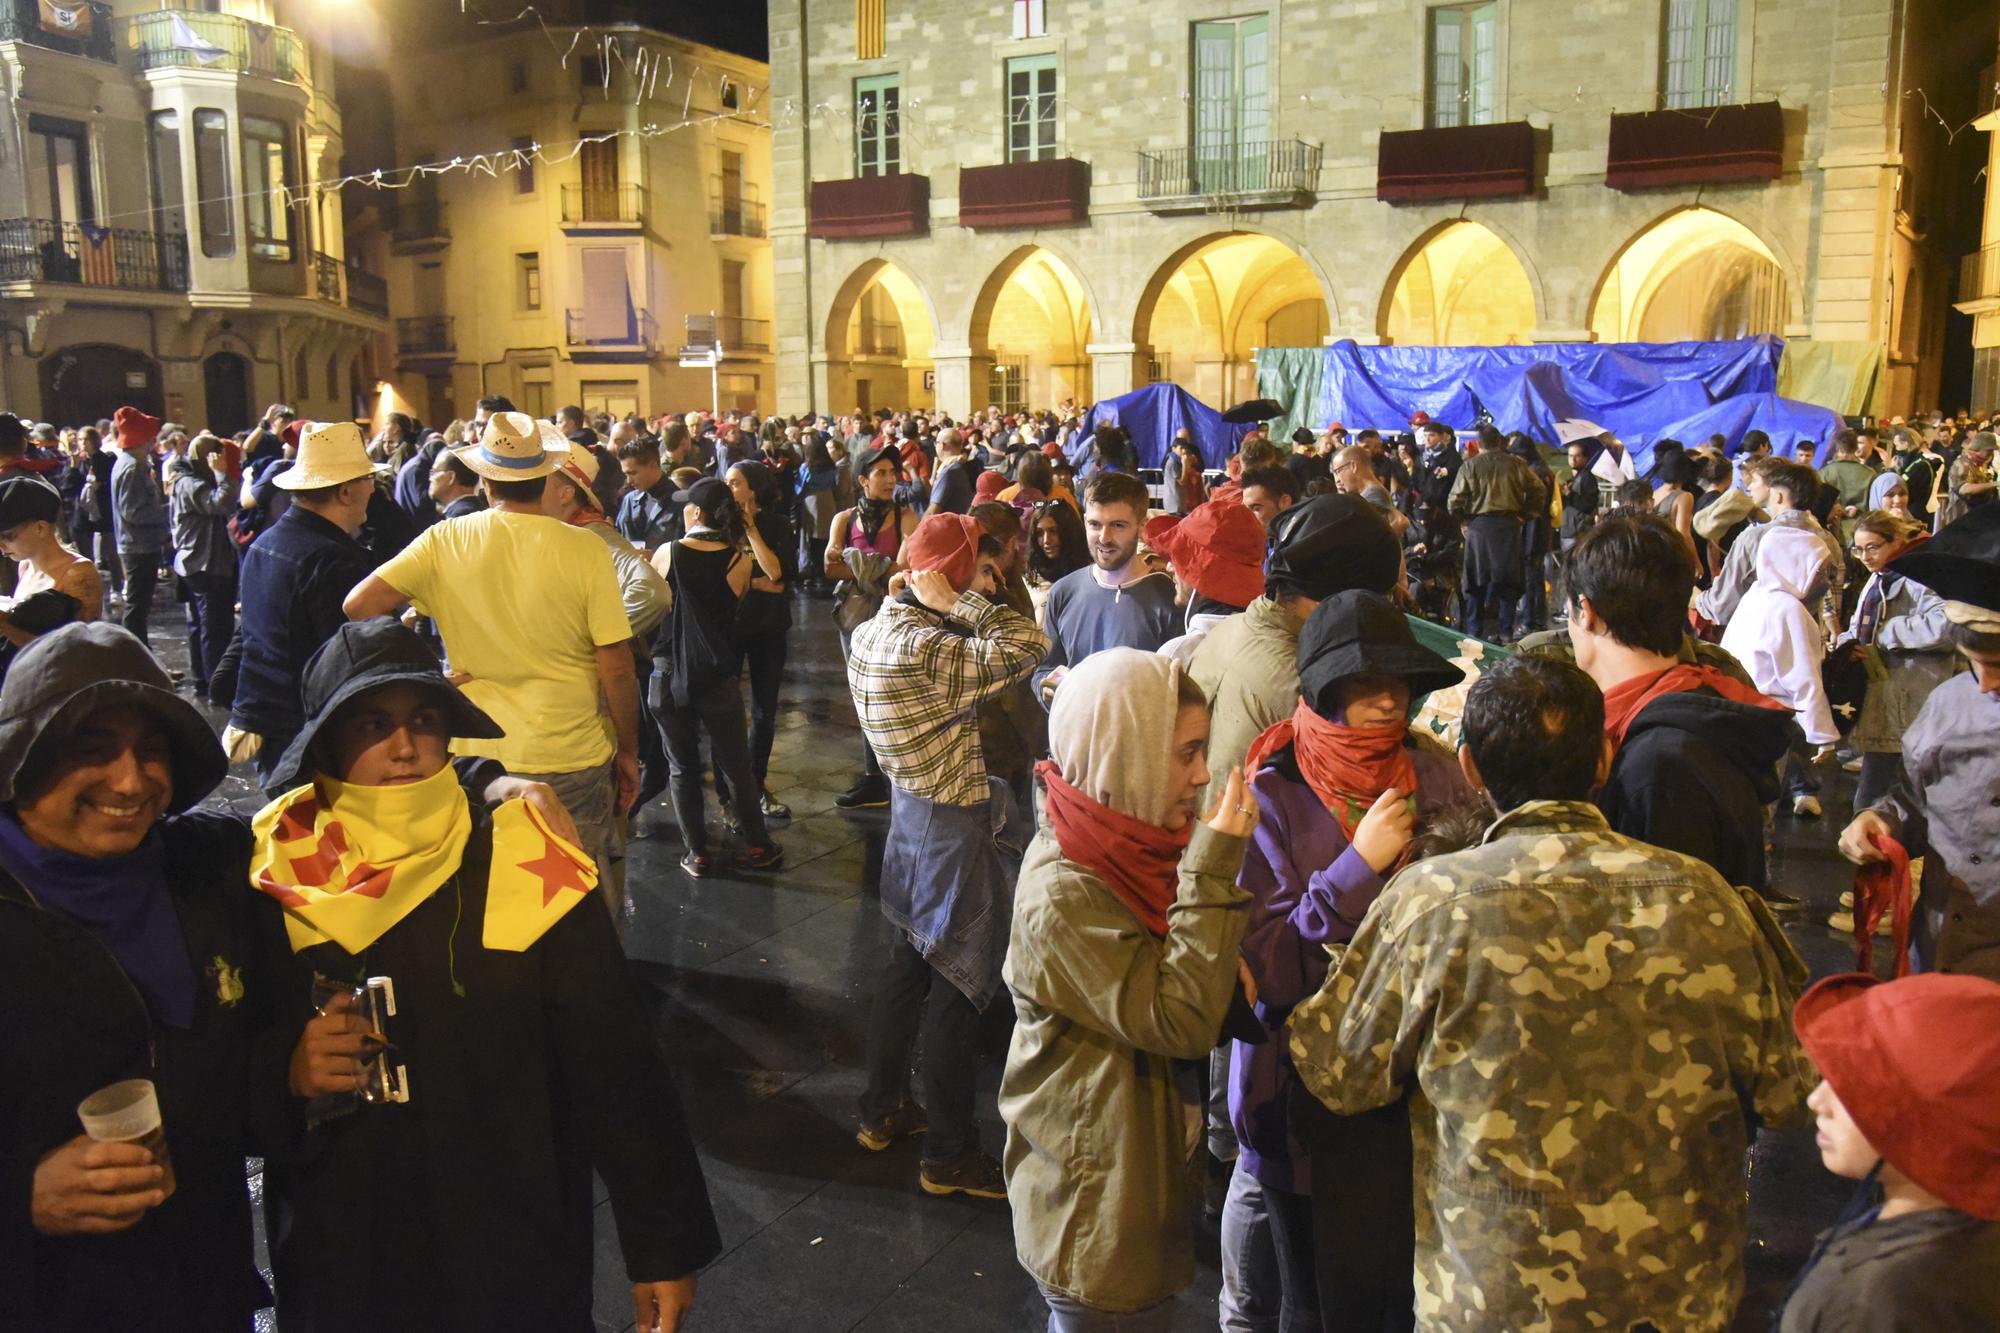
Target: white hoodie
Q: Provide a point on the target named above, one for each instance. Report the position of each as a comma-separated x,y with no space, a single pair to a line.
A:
1774,635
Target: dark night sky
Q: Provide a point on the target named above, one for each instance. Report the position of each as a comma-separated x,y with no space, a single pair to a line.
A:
734,25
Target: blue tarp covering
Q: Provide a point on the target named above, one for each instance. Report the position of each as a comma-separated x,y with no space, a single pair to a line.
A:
1151,416
1785,420
1639,391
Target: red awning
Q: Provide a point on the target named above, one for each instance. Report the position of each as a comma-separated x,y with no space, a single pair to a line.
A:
871,206
1461,162
1024,194
1696,146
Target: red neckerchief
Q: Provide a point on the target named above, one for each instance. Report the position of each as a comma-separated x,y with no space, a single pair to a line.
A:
1348,768
1623,701
1139,861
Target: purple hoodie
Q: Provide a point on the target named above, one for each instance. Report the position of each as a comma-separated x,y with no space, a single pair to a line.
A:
1309,889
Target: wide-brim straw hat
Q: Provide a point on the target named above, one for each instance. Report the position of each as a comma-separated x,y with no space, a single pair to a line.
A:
511,449
575,461
330,452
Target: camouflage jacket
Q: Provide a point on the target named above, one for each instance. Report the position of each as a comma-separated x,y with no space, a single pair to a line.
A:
1587,1027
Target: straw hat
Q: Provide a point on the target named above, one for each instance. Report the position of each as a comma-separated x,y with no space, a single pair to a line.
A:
579,465
511,449
330,452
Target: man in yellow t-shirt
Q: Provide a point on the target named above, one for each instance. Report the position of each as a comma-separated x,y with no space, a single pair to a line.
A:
529,611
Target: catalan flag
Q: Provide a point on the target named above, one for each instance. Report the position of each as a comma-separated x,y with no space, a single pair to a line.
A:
96,259
536,877
871,21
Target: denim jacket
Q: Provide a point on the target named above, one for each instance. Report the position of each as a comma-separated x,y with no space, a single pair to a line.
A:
295,576
948,882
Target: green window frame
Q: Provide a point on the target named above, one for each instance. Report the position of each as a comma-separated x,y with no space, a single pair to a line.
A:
1464,65
1698,53
878,125
1031,108
1232,104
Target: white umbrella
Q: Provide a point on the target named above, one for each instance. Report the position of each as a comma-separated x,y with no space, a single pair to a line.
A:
1571,429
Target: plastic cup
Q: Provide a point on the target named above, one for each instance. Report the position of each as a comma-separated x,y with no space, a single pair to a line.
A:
129,1112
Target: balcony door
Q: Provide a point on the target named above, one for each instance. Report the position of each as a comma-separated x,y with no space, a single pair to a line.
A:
1232,104
62,149
607,297
600,181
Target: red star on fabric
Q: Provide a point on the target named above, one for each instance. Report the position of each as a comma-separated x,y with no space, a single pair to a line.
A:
556,871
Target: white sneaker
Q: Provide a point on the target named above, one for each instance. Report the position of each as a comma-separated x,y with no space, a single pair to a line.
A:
1852,765
1806,807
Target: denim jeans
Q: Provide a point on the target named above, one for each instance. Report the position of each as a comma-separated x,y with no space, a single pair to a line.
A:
1799,777
1292,1242
211,622
1252,1289
908,993
717,710
1068,1316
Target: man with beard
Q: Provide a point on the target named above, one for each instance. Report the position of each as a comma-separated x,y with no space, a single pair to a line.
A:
1115,601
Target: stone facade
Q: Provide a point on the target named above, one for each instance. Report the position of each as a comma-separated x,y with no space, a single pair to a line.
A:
1838,222
631,252
138,261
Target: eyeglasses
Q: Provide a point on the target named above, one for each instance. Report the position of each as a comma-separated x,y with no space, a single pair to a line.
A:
1864,551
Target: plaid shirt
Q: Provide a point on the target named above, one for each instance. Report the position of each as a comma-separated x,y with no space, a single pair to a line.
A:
917,680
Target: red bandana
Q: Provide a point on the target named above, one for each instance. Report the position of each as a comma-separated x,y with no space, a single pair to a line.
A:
1140,861
1623,702
1348,768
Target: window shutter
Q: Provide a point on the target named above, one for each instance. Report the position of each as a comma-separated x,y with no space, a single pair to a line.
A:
1485,63
1447,67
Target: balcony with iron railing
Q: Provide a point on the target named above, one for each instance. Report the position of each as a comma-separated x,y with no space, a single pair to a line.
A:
80,29
1979,281
419,223
366,292
603,207
1281,173
327,277
46,250
188,38
738,215
421,337
878,337
727,334
620,333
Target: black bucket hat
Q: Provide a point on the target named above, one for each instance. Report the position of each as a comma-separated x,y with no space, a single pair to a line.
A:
1961,563
360,656
1362,633
64,676
1329,544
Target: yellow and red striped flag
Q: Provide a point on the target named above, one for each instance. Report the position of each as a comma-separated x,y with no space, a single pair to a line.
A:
871,22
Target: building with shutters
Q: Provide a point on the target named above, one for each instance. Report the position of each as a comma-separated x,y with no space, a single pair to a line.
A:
1026,202
160,242
608,247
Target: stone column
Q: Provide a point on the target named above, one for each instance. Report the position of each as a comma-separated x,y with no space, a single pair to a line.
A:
1116,368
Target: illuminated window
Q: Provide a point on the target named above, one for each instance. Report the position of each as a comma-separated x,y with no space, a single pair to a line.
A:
267,209
1464,64
212,183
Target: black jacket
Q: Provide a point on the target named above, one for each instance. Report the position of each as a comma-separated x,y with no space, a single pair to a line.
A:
73,1022
1694,775
470,1207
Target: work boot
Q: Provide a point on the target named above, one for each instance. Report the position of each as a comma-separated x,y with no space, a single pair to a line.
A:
872,791
976,1174
906,1121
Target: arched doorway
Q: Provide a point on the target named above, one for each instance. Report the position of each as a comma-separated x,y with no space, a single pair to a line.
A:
85,384
1695,274
878,342
1030,335
1214,303
225,382
1461,286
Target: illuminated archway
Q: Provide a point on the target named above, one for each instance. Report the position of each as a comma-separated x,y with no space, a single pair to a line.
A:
878,341
1461,286
1694,274
1214,302
1030,334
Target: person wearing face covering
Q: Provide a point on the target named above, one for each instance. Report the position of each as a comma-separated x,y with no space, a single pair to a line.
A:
1122,961
1340,785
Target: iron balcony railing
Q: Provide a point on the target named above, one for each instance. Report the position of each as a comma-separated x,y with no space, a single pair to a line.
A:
326,275
879,337
419,217
426,335
1283,166
366,292
630,327
45,250
188,37
602,204
80,29
742,215
730,333
1979,274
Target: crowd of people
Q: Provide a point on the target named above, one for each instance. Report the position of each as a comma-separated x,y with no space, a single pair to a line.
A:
1460,1023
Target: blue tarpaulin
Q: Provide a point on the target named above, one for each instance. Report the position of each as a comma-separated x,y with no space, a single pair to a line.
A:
1151,416
1785,420
1635,390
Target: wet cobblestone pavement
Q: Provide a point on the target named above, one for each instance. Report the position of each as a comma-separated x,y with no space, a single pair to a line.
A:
760,987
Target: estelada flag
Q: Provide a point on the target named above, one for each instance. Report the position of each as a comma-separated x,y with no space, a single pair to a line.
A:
68,20
536,877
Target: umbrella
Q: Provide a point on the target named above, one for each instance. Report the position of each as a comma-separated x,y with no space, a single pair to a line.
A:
1257,409
1571,429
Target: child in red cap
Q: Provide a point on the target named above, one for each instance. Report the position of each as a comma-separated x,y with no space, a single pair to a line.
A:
1910,1101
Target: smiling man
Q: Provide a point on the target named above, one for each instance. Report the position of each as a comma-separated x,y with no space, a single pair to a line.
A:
1113,602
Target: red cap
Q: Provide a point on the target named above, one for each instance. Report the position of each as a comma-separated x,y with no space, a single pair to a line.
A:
1053,450
1334,426
989,485
1420,418
948,543
134,427
1916,1062
1218,550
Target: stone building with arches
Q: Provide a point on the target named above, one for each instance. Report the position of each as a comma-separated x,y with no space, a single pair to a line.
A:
160,244
1018,203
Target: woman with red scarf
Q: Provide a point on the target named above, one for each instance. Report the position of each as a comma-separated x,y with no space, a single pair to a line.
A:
1340,787
1122,961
